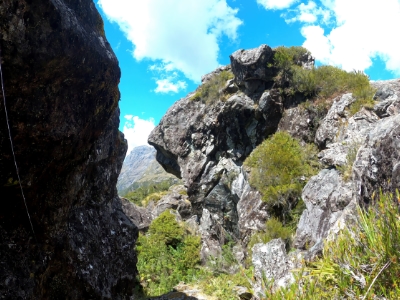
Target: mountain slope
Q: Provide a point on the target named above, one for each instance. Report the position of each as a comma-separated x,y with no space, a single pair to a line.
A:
140,167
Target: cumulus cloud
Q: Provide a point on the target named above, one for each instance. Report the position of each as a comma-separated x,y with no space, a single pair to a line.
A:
276,4
180,34
167,85
307,13
136,131
350,33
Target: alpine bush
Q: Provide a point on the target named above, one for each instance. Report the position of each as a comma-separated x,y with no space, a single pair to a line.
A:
166,255
279,169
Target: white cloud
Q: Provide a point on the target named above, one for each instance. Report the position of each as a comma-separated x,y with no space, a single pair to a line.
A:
167,78
350,33
276,4
137,130
166,86
181,34
307,13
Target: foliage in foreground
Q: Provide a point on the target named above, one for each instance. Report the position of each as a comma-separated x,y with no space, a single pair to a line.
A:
280,166
362,263
166,255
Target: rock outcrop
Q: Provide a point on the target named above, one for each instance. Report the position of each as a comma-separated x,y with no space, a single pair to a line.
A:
367,145
61,85
206,144
271,262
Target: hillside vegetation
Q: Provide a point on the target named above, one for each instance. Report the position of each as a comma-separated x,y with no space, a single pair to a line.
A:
360,262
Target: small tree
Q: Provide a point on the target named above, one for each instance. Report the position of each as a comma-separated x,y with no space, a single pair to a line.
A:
279,166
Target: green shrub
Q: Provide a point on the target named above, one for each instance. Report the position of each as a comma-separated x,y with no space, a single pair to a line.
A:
166,255
321,82
209,92
285,57
166,229
280,166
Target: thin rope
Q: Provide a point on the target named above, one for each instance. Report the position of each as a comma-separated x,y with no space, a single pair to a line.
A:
12,150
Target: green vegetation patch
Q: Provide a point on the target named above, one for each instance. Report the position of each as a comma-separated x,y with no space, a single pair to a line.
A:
361,263
279,169
210,92
143,194
167,254
322,82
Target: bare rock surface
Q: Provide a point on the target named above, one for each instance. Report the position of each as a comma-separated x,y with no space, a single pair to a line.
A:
388,97
325,196
175,199
271,262
61,84
367,144
140,216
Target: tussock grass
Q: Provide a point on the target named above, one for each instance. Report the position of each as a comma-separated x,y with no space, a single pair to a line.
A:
361,263
209,92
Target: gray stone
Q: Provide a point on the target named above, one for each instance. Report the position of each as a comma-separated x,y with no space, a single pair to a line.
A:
325,196
271,262
139,216
175,199
376,165
298,122
251,64
335,118
388,97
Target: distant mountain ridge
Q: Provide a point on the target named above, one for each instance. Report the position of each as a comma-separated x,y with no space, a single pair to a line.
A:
140,167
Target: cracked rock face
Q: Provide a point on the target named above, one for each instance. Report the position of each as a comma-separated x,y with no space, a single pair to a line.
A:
206,144
61,79
271,262
373,137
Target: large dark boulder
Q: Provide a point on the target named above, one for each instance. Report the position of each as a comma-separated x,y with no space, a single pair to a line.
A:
61,85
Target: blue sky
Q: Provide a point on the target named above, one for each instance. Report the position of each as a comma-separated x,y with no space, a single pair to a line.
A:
165,46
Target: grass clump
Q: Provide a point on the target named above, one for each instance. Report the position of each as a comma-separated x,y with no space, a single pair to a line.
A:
210,92
365,262
279,168
320,82
361,263
166,255
325,81
346,170
223,286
